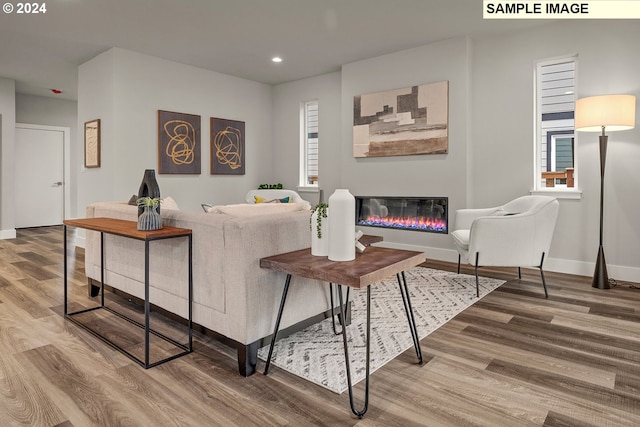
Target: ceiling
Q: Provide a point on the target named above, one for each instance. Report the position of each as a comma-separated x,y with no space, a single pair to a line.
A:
237,37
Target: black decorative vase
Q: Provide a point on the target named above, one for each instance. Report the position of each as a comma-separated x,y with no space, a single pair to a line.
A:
149,188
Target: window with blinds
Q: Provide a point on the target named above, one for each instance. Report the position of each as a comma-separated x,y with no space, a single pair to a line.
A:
555,142
309,142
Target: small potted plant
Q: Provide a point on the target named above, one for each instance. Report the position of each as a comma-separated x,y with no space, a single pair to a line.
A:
320,230
150,218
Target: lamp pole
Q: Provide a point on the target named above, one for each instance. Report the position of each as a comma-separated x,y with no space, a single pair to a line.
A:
600,276
593,114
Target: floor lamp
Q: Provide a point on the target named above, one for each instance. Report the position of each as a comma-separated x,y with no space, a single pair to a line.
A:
594,114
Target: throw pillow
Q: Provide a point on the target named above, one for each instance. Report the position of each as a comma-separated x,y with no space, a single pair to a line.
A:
169,203
259,199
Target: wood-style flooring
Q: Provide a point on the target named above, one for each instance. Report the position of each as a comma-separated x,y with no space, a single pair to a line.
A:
512,359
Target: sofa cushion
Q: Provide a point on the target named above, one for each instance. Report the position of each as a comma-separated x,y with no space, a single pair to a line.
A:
245,209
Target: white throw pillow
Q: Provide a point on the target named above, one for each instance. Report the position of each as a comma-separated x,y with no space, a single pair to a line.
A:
169,203
244,210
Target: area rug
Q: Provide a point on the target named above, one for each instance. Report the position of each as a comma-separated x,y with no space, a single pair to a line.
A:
317,354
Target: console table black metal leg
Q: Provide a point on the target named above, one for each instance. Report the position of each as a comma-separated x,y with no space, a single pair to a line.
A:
404,291
65,269
146,304
101,269
358,413
190,293
277,327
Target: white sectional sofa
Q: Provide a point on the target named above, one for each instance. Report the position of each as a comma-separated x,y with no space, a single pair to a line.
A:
232,295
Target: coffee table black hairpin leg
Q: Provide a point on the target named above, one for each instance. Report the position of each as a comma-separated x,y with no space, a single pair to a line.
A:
409,310
287,282
358,413
333,316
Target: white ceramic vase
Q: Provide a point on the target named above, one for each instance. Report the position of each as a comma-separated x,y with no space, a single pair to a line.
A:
342,226
319,245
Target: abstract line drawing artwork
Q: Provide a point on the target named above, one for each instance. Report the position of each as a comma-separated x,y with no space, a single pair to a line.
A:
92,144
227,147
401,122
178,143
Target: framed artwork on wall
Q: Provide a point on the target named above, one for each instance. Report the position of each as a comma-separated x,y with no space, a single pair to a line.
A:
178,143
92,144
401,122
227,147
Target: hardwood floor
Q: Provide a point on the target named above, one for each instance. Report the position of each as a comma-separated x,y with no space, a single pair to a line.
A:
512,359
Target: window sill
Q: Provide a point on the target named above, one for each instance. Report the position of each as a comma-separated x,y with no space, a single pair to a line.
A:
574,194
309,189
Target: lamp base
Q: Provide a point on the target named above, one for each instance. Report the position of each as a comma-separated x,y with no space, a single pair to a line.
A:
600,276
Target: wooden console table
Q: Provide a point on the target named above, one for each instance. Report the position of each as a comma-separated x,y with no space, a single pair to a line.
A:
373,265
129,229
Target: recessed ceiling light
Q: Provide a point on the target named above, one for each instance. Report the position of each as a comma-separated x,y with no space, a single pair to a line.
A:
276,59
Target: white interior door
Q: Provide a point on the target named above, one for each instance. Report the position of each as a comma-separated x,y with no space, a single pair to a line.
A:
39,177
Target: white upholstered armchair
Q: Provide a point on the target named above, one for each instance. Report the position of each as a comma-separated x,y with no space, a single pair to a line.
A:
517,234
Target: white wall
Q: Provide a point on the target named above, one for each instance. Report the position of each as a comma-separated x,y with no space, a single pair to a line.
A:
126,89
502,131
7,144
423,175
41,110
287,100
490,159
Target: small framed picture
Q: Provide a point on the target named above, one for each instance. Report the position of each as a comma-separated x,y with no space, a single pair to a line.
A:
92,144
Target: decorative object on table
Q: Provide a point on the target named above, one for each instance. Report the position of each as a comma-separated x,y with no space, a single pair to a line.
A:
320,230
227,147
148,188
150,218
92,144
359,246
342,227
277,186
401,122
594,114
178,143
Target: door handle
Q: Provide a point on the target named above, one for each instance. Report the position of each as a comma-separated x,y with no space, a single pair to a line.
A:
57,184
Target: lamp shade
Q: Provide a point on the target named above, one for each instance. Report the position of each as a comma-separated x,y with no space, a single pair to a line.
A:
614,112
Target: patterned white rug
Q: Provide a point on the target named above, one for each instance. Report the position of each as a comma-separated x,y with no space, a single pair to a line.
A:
317,354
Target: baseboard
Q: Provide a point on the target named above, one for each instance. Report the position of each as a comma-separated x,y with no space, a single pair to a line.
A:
8,234
583,268
557,265
439,254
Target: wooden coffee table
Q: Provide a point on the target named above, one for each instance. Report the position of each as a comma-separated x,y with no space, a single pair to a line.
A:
373,265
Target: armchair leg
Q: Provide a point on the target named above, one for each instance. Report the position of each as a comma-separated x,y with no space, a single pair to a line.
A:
477,281
544,284
458,263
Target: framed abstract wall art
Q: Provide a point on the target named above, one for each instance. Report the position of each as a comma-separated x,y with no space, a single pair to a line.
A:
179,145
227,147
401,122
92,144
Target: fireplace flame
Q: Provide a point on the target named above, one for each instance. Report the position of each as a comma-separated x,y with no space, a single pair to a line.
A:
425,224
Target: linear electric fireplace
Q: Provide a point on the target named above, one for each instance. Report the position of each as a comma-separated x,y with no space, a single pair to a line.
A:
428,214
